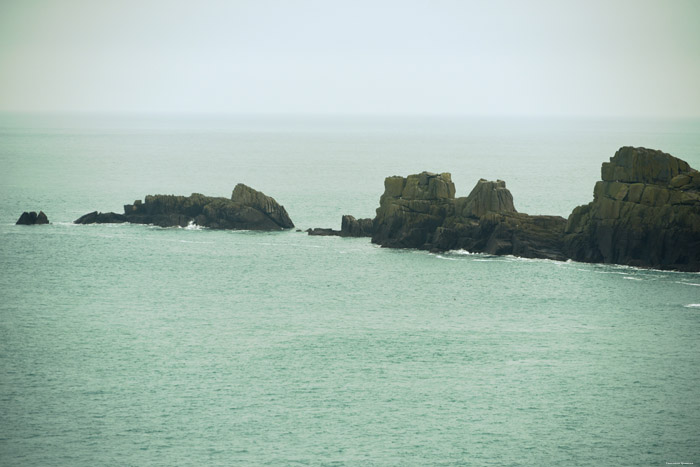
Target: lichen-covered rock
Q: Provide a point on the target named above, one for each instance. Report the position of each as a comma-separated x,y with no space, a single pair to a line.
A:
32,218
645,212
247,209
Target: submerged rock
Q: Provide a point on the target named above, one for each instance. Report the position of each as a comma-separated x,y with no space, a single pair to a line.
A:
32,218
247,209
645,212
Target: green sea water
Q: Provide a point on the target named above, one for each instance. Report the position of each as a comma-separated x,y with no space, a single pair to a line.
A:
137,345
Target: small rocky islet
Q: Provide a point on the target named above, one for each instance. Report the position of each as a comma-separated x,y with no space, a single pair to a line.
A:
247,209
32,218
645,212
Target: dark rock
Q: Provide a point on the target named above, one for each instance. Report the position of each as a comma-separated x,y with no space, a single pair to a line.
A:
32,218
487,196
256,200
412,208
485,221
100,218
351,227
247,209
41,218
645,212
323,232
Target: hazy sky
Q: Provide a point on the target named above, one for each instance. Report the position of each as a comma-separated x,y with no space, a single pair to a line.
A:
558,57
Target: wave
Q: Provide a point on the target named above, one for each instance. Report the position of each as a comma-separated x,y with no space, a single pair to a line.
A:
692,305
688,283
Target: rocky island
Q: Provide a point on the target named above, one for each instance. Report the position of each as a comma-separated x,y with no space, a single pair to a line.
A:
32,218
247,209
645,212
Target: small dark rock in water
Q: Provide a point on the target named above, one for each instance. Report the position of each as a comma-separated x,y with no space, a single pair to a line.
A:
247,209
349,227
323,232
32,218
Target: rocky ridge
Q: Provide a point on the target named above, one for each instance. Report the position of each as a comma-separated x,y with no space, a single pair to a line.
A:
247,209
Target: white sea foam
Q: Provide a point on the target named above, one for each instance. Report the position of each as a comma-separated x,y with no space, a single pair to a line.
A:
193,226
462,252
688,283
692,305
443,257
633,278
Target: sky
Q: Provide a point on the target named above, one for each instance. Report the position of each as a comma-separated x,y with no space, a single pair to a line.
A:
439,57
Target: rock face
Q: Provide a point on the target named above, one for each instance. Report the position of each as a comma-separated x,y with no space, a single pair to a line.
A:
645,212
421,211
247,209
32,218
351,227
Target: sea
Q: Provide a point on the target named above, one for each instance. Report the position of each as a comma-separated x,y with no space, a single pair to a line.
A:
132,345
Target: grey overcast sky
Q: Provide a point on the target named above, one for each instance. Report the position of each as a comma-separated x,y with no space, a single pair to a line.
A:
491,57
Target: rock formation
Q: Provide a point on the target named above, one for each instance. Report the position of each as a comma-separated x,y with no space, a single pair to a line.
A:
349,227
421,211
645,212
247,209
32,218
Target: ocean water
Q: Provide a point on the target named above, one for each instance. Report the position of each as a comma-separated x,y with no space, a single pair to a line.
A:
137,345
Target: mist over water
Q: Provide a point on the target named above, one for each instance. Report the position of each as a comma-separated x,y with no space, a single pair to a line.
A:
133,345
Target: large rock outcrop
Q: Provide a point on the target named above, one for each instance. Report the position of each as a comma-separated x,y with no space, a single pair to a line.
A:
421,211
645,212
248,209
32,218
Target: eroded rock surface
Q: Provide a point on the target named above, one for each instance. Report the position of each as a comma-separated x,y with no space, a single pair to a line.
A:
247,209
428,216
645,212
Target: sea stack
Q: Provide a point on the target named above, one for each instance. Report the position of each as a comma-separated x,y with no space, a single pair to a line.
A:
645,212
